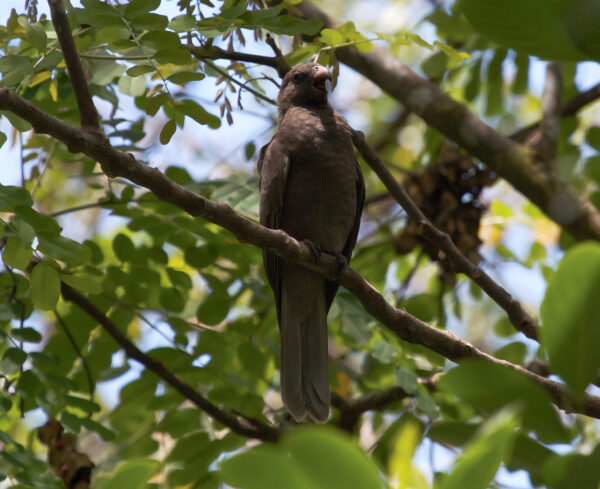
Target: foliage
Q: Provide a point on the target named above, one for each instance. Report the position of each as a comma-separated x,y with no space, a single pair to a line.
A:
193,298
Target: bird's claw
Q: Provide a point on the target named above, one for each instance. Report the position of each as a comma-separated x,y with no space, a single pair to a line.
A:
315,249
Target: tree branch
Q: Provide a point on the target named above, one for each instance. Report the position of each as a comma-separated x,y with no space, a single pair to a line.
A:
352,409
512,162
87,109
405,326
569,108
517,315
214,52
254,429
550,123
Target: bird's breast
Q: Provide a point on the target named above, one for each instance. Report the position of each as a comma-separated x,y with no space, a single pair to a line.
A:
320,197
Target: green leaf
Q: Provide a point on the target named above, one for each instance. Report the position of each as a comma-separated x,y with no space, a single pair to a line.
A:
263,467
166,133
83,282
123,247
249,150
161,40
35,33
383,351
527,26
103,431
214,307
137,7
45,287
580,19
480,460
17,122
11,197
171,299
570,313
406,379
12,360
307,458
40,222
403,473
331,459
131,475
3,139
107,72
176,56
201,256
183,77
182,23
592,137
83,404
471,382
151,22
513,352
63,249
16,254
197,112
573,470
140,70
134,86
11,63
28,335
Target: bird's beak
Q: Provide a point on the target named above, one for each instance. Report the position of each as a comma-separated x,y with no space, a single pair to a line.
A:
321,78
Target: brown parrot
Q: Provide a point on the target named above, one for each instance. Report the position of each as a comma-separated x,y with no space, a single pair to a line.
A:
311,187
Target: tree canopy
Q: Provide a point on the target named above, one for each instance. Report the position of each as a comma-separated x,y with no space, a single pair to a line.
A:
138,337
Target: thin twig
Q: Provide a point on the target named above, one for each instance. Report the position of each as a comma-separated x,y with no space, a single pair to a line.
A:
282,65
86,368
239,83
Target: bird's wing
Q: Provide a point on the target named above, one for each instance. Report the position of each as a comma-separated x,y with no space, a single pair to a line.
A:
331,287
273,168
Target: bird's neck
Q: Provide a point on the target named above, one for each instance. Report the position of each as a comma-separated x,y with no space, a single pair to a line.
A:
316,108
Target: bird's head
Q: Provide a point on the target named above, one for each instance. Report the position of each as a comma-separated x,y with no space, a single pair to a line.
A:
305,86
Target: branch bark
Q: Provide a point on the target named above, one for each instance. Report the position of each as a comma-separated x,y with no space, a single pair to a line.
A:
513,162
87,110
569,108
248,428
550,123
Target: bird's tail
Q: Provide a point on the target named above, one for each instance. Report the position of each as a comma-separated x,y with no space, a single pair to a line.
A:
304,360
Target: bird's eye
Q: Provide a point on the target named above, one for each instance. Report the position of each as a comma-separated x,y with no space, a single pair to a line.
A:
296,76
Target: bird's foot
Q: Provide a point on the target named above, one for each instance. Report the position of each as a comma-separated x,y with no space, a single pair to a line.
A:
341,263
315,249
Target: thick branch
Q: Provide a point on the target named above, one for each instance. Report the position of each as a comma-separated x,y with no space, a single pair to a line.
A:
405,326
517,315
253,429
87,109
512,162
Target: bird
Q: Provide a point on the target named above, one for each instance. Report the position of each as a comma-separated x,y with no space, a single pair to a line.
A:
311,187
